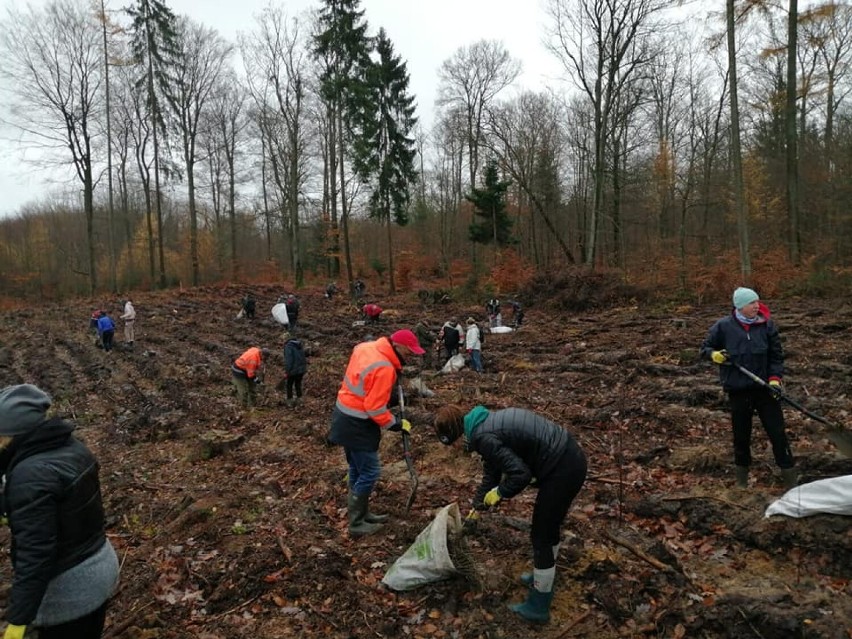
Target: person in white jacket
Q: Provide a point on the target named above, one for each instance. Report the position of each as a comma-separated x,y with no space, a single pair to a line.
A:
129,318
473,345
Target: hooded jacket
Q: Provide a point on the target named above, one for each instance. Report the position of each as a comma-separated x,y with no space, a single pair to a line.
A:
248,364
516,445
52,498
295,362
362,401
756,347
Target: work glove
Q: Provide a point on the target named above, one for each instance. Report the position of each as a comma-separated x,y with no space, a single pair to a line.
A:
402,426
775,388
492,497
14,632
471,522
719,357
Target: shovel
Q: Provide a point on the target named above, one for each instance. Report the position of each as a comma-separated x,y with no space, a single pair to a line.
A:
838,435
406,454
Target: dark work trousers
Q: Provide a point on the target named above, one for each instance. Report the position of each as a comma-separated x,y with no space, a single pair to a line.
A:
744,403
106,339
89,627
555,495
294,381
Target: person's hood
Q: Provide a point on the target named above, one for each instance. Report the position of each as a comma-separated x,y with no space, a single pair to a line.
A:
48,435
473,419
295,343
386,348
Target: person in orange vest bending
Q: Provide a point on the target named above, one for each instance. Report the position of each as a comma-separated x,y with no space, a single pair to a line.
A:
361,414
247,373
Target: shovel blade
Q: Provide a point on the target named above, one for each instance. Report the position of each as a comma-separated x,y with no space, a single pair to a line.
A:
842,439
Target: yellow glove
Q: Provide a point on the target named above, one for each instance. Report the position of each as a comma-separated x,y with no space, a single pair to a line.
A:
14,632
719,357
492,497
406,426
473,515
775,387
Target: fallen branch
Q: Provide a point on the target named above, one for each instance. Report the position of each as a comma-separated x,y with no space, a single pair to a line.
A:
574,624
656,563
237,607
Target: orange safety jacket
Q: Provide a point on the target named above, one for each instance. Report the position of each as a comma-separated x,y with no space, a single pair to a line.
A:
368,382
249,362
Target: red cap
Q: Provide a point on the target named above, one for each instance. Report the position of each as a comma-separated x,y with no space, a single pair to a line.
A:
407,338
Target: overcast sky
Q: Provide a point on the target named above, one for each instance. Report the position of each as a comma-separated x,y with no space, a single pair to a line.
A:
425,33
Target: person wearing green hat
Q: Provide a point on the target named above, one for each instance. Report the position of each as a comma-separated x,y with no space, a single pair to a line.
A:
749,337
65,568
520,448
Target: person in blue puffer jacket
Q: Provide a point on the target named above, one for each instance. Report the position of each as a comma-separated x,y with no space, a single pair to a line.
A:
519,448
65,568
748,337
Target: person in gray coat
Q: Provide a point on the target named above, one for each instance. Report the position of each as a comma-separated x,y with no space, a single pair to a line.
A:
65,569
519,448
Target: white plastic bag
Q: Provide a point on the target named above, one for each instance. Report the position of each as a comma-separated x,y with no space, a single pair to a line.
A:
500,329
832,496
279,312
427,560
454,364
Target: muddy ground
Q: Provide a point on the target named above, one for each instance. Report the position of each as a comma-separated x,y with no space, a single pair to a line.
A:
247,538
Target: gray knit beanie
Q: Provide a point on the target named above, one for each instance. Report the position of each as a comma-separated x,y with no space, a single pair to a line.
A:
22,408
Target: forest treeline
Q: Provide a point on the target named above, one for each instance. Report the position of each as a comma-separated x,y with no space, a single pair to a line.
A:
681,158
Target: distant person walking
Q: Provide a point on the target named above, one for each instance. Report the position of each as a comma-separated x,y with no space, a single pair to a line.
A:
106,330
293,306
129,317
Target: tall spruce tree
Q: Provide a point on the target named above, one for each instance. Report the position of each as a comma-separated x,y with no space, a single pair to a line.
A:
154,45
384,150
343,48
493,226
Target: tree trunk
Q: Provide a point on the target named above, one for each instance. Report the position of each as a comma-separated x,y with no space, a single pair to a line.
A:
791,135
740,204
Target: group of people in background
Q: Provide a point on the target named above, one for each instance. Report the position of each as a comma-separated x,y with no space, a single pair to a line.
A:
102,325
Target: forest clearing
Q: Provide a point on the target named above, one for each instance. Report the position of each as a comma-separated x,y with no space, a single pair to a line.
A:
250,539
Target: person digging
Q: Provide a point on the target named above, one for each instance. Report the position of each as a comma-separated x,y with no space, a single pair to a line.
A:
520,448
361,414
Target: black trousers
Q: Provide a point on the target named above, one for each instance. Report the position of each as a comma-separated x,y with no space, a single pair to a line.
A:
555,496
744,403
89,627
106,339
294,381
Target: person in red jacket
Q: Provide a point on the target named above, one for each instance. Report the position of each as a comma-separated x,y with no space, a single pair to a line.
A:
371,313
361,414
247,372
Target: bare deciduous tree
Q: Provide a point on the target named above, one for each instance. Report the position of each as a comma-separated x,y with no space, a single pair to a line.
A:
470,80
54,63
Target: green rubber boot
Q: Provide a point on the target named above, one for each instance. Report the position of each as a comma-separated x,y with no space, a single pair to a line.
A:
536,608
358,525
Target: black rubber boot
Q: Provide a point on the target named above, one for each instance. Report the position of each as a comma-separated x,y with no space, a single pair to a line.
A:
358,525
790,477
742,476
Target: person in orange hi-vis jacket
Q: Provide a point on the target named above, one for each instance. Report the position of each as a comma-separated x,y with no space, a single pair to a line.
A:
361,414
247,372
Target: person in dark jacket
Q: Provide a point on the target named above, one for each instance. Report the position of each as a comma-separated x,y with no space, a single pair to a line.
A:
518,447
749,337
65,569
106,330
450,336
249,306
293,306
295,367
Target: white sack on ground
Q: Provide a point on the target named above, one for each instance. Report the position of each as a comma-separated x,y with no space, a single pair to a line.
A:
832,496
279,313
454,364
500,329
427,560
